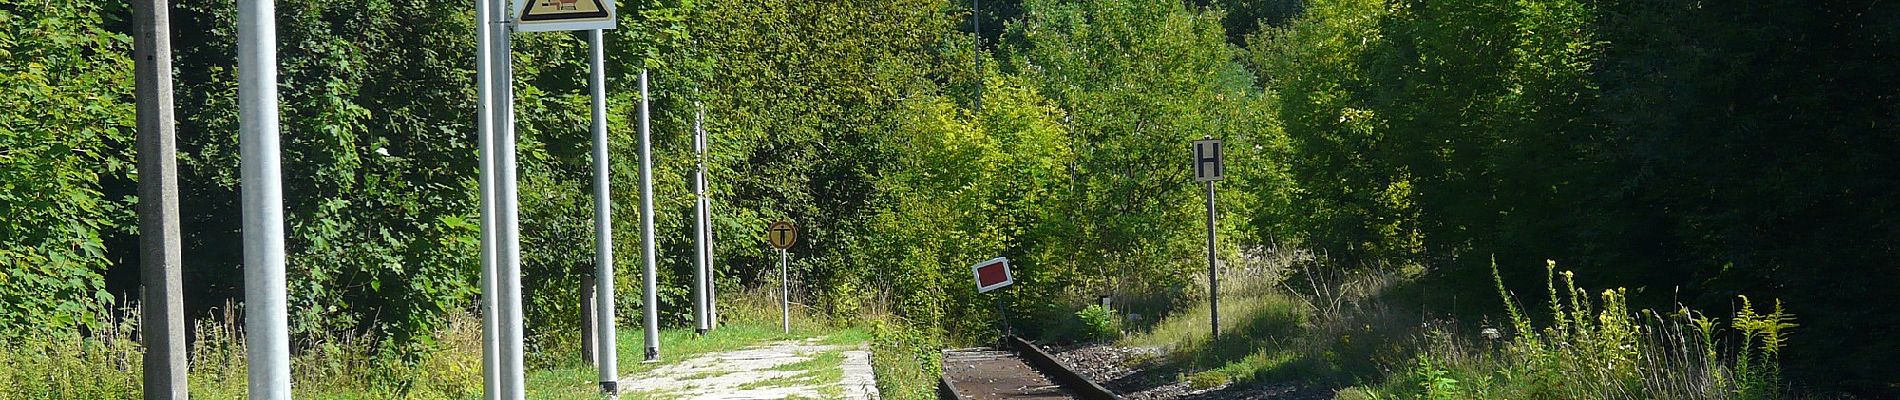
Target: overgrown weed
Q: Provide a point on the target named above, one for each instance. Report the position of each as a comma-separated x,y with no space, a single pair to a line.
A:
107,363
1598,349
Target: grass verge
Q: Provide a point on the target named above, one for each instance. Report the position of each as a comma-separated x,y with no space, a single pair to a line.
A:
1341,333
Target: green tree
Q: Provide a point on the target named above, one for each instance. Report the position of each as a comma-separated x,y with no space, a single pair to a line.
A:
66,120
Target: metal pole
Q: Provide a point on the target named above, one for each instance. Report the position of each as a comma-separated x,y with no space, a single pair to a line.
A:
706,227
508,244
976,28
784,291
603,226
160,259
649,270
699,225
712,270
1002,315
267,331
485,14
1213,268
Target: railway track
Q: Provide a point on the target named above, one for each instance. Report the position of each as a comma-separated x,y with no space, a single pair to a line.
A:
1022,371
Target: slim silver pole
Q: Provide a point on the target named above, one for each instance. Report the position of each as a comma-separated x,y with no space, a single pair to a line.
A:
485,15
784,292
976,29
649,270
603,225
508,265
699,225
1213,269
266,324
160,254
712,270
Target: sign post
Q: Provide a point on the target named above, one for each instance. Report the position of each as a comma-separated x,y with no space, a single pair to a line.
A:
783,234
1209,167
503,373
994,274
702,273
604,346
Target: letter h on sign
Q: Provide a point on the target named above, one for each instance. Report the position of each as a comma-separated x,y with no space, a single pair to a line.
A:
1208,161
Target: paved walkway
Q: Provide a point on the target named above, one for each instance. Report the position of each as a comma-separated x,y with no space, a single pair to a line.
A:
778,370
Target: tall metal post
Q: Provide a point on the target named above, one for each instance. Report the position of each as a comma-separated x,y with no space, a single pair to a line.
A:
603,226
485,16
508,210
267,331
784,291
706,228
976,28
700,273
160,261
712,270
1213,269
699,229
649,270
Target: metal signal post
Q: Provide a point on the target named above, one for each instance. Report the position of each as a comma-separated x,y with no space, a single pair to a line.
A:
784,291
781,235
1210,166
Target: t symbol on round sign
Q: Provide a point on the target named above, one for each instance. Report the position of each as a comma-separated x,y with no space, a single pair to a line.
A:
782,234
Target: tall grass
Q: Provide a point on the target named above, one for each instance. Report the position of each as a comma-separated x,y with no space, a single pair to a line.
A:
1285,316
1595,347
75,365
1289,317
107,363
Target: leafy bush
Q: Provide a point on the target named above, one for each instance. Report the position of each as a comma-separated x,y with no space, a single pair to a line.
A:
65,125
906,360
1098,323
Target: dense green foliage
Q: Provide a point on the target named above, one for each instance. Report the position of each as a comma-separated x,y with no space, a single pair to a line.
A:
1691,151
64,135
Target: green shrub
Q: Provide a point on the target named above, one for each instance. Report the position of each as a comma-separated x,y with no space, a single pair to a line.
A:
1098,323
65,123
905,360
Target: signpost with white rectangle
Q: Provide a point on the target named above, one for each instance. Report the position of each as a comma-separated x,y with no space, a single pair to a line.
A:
994,274
1209,166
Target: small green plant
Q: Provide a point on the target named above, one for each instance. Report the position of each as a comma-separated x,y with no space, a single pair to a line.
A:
905,359
1207,379
1437,383
1758,360
1098,323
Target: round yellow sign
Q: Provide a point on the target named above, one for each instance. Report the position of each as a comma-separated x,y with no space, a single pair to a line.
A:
781,234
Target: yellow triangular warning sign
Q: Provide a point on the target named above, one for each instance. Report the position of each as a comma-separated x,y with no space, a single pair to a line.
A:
562,10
